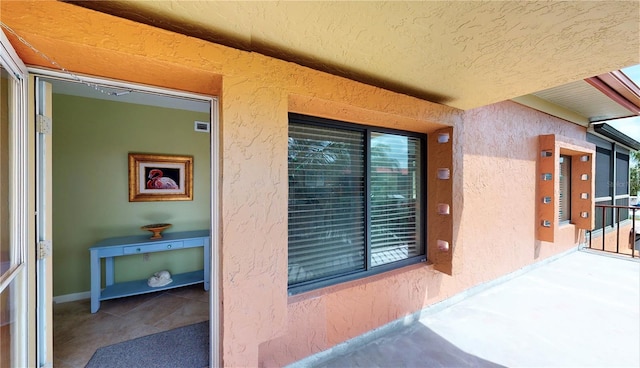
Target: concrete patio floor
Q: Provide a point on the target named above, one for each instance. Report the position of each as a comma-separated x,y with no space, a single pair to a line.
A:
580,310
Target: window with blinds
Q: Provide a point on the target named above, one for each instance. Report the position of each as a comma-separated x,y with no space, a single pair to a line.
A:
355,195
565,188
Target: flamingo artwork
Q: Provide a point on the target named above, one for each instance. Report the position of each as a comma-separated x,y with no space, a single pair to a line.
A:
157,181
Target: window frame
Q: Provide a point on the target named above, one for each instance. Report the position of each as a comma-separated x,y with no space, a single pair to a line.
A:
582,187
566,197
421,203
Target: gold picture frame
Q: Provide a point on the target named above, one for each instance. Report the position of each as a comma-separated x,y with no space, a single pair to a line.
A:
160,177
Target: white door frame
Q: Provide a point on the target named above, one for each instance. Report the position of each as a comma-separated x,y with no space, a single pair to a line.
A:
214,298
43,261
19,213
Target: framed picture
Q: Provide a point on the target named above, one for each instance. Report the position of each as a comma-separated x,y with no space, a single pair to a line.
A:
160,178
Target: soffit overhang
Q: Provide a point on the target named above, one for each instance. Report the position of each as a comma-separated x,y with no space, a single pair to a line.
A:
462,54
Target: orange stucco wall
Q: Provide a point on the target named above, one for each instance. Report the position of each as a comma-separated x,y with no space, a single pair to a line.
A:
495,207
493,176
500,153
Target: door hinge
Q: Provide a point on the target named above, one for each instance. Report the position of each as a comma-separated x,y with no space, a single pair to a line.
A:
44,249
44,124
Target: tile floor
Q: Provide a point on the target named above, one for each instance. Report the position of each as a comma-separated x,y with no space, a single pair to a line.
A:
77,333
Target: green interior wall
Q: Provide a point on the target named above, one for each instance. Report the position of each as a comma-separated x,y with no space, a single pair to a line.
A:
91,142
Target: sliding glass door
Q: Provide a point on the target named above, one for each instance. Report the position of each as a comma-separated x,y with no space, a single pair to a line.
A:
13,202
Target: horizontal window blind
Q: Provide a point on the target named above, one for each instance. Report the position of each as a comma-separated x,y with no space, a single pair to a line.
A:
565,188
354,201
394,173
326,202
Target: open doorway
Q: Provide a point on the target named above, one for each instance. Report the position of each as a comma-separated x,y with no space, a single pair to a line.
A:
94,130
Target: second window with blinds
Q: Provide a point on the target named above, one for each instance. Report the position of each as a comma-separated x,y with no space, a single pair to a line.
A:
356,201
564,214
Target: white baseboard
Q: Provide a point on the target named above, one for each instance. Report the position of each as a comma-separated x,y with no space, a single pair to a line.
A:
71,297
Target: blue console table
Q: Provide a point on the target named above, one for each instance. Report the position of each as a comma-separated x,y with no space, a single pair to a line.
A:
140,244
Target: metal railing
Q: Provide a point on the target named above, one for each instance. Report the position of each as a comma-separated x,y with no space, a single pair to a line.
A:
634,237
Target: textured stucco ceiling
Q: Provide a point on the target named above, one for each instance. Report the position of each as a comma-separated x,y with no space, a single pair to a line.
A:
463,54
